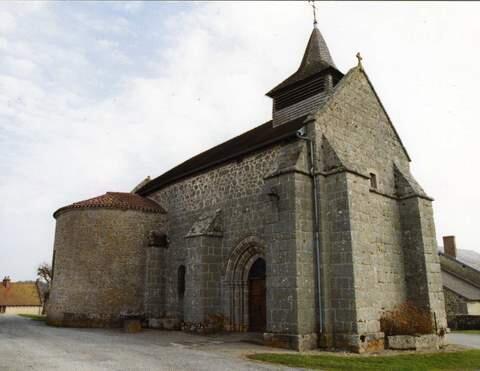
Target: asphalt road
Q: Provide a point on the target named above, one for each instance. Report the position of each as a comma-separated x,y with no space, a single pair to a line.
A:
32,345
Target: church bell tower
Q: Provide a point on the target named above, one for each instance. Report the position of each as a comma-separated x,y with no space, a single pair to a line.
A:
308,88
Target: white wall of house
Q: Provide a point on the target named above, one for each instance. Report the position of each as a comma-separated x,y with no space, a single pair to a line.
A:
24,310
473,308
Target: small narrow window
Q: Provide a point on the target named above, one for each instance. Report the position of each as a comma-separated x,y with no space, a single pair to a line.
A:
181,282
373,181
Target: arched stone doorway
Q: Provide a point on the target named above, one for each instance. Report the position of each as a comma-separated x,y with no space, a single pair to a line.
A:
257,298
247,257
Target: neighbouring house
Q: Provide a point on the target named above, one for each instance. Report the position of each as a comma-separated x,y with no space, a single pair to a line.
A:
307,228
20,297
461,288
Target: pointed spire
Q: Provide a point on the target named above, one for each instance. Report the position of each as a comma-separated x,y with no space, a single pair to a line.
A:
317,52
315,59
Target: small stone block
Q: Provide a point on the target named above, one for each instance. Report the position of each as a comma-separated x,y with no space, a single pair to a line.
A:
412,342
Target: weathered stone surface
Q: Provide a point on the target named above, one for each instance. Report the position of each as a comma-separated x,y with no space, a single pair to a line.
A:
171,323
298,342
100,266
415,342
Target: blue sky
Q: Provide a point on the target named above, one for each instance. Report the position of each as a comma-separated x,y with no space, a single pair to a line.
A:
95,96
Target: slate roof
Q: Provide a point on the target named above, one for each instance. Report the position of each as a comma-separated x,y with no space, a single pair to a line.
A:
316,59
260,137
460,286
20,294
116,200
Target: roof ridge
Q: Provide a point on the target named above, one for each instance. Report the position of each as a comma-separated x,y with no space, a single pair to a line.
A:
458,261
115,200
254,139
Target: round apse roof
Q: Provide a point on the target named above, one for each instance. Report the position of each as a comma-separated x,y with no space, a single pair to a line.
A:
115,200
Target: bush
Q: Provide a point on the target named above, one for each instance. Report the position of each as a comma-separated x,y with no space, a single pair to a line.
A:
406,319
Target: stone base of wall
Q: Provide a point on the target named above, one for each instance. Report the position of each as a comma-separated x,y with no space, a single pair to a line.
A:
416,342
289,341
366,343
165,323
81,320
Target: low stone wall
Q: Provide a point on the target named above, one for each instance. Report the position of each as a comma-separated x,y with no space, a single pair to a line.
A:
464,322
415,342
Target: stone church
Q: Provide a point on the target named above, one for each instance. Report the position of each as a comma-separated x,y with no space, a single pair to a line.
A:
306,228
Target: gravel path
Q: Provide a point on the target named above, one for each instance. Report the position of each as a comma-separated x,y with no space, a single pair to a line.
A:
467,340
31,345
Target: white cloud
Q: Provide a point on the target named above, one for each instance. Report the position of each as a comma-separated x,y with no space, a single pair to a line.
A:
86,107
7,22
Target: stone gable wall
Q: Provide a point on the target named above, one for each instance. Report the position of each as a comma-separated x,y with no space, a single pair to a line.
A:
358,129
363,230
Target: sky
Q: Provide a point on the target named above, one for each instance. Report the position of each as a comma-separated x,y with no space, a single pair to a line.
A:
95,96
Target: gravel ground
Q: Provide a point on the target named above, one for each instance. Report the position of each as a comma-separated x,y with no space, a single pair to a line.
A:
467,340
31,345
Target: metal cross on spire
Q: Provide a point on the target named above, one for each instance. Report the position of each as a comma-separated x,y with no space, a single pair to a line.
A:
314,8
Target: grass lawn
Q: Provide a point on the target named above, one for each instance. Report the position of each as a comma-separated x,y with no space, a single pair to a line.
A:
471,332
34,317
465,360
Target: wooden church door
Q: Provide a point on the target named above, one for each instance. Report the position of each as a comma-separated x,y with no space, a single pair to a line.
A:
257,298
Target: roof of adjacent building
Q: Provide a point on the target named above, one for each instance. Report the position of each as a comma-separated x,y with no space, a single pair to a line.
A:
460,286
20,294
316,59
116,200
459,268
260,137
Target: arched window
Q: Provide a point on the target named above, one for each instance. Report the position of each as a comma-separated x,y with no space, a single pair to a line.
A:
181,282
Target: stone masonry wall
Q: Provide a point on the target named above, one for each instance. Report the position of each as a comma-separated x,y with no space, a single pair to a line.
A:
237,189
358,129
454,305
100,258
281,223
423,274
354,137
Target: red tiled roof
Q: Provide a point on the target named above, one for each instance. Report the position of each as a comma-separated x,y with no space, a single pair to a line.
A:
20,294
116,200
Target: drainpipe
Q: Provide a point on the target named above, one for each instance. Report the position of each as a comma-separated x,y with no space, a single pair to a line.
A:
301,134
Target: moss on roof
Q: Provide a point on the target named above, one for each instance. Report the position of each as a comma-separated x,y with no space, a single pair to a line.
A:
20,294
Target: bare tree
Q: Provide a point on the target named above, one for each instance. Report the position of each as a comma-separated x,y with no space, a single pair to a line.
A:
44,272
